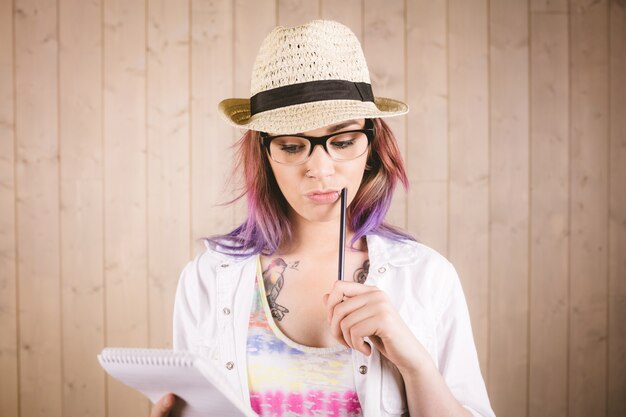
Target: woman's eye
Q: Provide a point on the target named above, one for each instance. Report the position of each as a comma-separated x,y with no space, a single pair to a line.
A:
291,148
342,144
344,141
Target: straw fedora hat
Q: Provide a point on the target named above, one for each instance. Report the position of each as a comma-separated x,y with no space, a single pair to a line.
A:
307,77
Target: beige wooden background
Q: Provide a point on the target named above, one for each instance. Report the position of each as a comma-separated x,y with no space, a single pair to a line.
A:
112,161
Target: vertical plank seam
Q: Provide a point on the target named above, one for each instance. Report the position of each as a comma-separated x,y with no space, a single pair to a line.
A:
569,205
448,140
406,117
60,198
233,82
363,22
608,217
147,52
18,333
530,201
105,322
190,126
489,194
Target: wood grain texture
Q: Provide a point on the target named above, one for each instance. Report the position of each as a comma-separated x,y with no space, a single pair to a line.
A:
125,206
617,212
549,214
468,221
427,123
509,212
113,160
549,6
253,22
38,234
211,153
82,234
9,379
589,208
384,48
168,159
347,12
297,12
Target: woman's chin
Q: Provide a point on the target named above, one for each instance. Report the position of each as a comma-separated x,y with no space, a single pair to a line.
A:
320,216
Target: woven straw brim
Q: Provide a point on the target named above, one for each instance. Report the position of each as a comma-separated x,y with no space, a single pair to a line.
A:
307,116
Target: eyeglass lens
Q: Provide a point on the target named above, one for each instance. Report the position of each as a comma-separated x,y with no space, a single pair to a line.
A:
295,150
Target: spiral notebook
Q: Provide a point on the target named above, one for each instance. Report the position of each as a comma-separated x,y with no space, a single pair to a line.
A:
194,380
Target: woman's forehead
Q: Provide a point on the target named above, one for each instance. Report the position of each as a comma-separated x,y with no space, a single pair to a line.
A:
335,127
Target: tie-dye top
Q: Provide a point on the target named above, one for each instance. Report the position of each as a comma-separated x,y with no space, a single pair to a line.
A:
288,379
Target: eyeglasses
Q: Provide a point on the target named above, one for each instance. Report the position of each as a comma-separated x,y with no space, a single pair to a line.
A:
340,146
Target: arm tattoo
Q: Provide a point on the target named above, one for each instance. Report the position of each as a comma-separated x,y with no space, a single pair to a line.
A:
360,275
273,280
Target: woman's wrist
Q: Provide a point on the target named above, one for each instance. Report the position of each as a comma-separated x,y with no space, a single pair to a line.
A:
422,370
419,365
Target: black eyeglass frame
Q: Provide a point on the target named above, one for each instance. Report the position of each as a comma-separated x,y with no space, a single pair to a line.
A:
368,129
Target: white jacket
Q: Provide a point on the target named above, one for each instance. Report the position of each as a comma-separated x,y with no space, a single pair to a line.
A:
214,299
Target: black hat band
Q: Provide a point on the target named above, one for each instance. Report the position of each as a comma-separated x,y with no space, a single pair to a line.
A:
309,92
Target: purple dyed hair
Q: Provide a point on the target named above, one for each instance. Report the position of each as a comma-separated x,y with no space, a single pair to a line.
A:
268,221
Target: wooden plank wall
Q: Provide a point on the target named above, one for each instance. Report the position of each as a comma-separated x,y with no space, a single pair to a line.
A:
81,202
114,161
124,65
616,406
9,370
549,210
508,212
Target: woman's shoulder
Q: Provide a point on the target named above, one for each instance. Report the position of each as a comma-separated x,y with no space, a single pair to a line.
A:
212,256
404,252
415,276
418,266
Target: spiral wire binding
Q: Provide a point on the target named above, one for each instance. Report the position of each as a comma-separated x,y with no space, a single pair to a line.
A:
157,357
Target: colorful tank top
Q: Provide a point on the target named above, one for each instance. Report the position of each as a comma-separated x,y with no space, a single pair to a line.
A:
288,379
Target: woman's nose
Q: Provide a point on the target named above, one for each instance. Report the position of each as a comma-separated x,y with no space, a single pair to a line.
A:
320,164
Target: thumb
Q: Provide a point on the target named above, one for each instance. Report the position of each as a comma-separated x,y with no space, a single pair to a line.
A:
163,406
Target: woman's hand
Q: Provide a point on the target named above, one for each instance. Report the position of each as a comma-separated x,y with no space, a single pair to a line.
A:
356,311
163,407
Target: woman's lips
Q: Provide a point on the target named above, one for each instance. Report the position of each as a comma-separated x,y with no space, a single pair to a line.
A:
326,197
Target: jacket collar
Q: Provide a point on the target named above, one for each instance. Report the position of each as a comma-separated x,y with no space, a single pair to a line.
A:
383,250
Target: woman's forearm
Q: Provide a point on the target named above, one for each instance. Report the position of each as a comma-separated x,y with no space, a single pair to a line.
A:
428,395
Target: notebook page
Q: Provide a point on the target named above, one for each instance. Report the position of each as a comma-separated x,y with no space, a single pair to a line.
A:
155,372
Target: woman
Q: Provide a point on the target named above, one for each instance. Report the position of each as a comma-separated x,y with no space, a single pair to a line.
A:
264,303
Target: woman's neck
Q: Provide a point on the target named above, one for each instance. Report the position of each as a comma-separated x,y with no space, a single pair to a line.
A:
315,237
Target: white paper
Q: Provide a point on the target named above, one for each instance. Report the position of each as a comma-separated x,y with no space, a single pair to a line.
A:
156,372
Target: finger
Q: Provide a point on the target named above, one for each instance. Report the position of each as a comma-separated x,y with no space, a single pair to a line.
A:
349,289
342,290
163,406
341,310
358,325
359,331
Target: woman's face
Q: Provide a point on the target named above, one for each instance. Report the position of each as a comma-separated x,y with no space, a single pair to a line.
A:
313,188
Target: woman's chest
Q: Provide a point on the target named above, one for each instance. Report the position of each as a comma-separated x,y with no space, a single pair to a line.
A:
295,290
